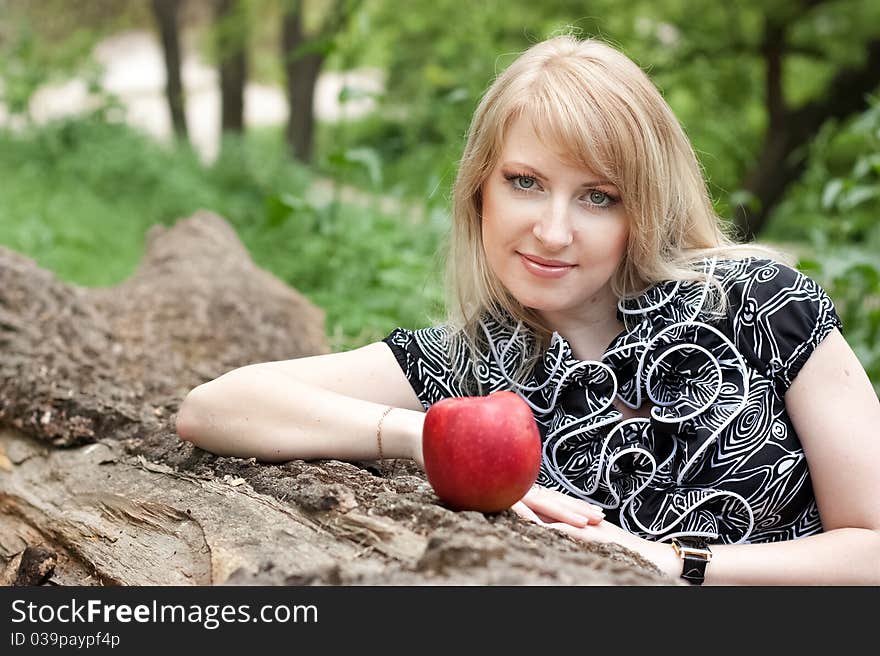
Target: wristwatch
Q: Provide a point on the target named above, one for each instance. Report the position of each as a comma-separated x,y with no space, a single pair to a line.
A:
695,554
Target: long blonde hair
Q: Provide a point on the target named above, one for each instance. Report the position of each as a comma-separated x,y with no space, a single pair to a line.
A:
603,113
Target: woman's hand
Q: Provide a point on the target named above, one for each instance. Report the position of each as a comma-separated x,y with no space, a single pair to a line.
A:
544,506
604,532
660,553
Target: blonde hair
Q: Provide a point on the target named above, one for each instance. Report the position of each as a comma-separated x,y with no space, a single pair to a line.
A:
603,113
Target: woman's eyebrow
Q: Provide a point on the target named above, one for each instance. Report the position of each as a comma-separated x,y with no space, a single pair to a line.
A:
597,182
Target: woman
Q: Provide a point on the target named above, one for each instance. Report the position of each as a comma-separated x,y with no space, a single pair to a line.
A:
696,399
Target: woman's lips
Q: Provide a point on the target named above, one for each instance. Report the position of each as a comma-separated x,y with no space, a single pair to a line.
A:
543,271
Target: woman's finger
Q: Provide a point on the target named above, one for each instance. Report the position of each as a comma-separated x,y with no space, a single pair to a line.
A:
556,513
578,505
525,512
555,505
574,503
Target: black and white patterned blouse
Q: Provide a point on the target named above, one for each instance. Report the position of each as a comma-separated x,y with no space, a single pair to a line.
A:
718,456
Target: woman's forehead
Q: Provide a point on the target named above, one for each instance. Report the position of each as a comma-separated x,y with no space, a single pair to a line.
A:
526,141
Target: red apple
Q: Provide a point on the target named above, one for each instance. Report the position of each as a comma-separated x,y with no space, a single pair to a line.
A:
481,452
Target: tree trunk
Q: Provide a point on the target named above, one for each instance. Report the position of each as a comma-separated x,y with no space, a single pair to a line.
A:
301,74
96,488
231,49
783,157
166,12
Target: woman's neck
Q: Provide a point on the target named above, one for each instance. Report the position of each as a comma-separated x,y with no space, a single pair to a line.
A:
589,329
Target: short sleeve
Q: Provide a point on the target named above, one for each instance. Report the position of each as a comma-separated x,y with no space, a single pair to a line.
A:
423,356
779,316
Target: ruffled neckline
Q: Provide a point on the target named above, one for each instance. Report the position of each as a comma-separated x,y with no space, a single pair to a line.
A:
661,305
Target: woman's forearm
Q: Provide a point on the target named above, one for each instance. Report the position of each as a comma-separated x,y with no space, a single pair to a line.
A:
844,556
273,417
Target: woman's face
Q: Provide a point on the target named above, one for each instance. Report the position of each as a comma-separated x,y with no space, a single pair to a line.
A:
537,206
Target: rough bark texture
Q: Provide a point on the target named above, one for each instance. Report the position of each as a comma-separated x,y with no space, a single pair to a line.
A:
96,488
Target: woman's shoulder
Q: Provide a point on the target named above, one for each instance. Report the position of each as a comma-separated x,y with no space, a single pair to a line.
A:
444,360
696,298
776,314
431,337
762,272
773,314
447,337
749,283
770,289
753,269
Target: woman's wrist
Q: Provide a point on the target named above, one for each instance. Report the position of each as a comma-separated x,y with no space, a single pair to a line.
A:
415,437
664,557
401,434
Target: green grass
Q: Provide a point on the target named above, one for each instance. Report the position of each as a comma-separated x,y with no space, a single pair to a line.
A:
78,196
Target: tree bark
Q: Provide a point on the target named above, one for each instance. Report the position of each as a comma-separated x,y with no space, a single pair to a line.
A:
301,74
166,13
231,49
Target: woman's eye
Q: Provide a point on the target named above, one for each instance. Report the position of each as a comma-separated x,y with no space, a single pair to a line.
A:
527,183
599,198
524,182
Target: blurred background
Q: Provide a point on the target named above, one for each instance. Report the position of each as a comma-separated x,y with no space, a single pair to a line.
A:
327,132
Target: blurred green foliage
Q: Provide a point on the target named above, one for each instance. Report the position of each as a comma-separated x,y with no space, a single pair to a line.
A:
45,42
79,195
25,66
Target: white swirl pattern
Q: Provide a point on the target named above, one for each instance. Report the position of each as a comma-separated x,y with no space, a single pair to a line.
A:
718,456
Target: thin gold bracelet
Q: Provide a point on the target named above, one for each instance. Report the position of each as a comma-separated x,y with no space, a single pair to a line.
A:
379,431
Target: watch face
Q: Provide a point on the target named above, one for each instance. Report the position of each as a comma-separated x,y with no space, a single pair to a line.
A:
697,542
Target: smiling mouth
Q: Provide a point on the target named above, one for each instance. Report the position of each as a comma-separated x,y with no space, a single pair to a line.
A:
547,264
544,271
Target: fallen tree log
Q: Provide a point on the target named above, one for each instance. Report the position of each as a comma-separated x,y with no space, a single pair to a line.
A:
96,488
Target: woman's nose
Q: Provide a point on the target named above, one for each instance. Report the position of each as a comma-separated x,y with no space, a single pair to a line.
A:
554,229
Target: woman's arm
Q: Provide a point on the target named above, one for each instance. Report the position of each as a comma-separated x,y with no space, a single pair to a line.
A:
837,417
844,556
304,408
279,411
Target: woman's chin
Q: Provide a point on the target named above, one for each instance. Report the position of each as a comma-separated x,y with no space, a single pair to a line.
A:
541,300
539,304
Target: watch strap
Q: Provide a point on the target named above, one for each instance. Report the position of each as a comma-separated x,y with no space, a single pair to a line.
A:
693,569
695,554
